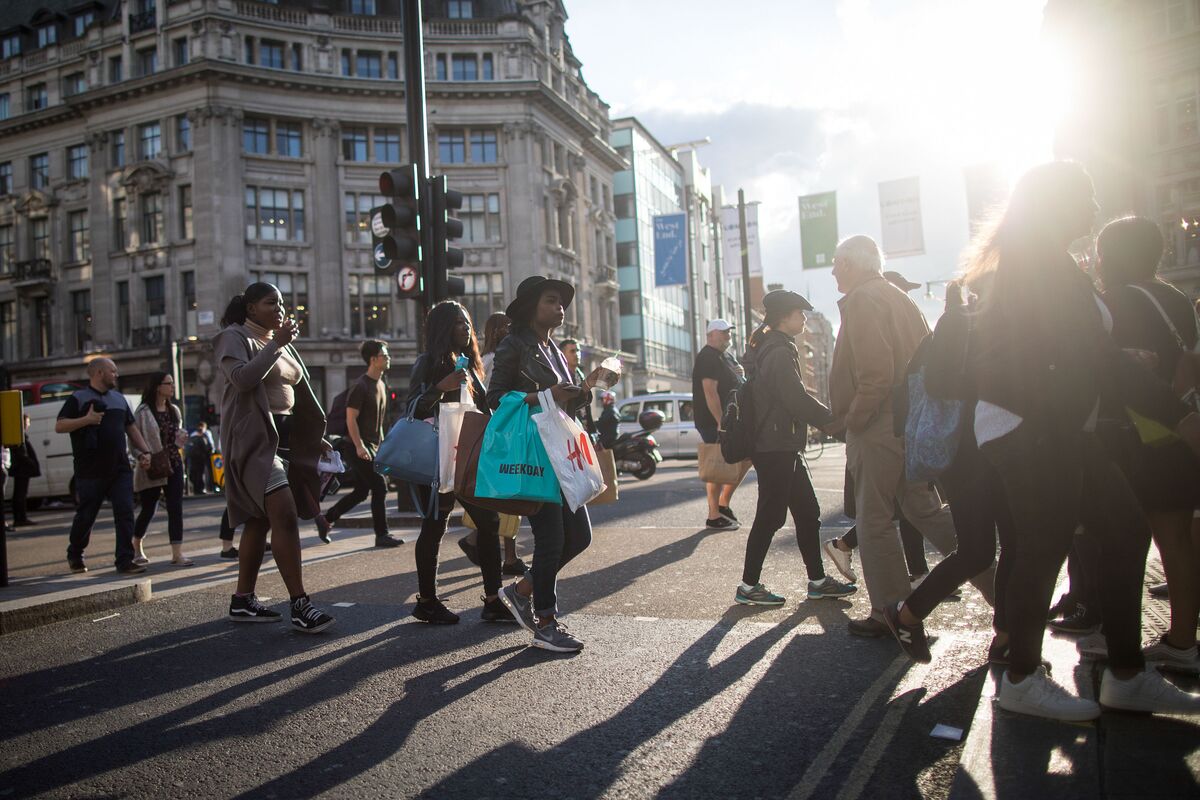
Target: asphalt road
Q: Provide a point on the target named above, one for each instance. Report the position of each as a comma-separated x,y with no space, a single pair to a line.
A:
679,692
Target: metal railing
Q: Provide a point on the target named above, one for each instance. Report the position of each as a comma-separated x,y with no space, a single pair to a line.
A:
272,13
142,22
37,269
152,336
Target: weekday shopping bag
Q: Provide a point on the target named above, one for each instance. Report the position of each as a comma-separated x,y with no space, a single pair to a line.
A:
571,453
715,469
513,464
450,420
466,468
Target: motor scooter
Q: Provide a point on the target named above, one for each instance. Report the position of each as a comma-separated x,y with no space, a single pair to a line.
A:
637,453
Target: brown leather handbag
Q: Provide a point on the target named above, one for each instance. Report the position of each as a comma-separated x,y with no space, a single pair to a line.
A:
160,465
466,465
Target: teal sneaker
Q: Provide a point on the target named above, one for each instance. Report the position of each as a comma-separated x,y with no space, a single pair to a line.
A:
758,596
828,587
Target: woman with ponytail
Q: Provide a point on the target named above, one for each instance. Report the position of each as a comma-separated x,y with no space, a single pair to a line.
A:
268,413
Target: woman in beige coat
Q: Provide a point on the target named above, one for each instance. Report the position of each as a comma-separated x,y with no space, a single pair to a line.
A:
161,425
272,435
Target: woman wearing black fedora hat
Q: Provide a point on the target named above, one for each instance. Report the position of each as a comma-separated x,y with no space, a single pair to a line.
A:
528,361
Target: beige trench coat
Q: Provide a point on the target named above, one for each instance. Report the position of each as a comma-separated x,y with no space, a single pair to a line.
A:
249,439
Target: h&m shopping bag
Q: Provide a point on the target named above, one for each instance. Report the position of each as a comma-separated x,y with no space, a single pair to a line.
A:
571,453
450,420
513,464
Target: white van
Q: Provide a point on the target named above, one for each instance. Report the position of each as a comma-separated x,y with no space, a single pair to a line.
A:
53,451
678,437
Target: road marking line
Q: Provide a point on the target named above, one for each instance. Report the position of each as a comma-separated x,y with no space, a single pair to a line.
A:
864,768
344,605
820,766
110,616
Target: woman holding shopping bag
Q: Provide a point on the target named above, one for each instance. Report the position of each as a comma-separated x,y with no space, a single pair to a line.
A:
529,362
438,378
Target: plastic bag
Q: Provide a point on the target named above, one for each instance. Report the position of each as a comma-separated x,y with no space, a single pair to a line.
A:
513,464
571,453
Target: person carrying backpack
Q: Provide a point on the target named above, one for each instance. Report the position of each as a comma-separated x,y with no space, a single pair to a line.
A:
783,410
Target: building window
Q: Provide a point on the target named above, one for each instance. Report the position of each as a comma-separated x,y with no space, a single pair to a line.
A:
180,46
274,214
483,296
393,69
366,7
124,317
270,54
79,243
287,139
39,171
459,9
185,213
77,162
118,149
294,288
489,70
347,64
47,35
39,235
249,50
44,319
8,330
5,107
83,22
368,64
147,61
440,67
297,57
371,306
10,46
152,218
74,84
464,68
81,317
36,98
8,249
354,144
120,215
116,69
149,141
483,147
387,145
1186,107
480,215
452,147
357,208
155,288
256,136
6,178
189,303
183,133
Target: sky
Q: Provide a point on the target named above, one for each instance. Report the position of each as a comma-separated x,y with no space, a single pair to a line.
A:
805,96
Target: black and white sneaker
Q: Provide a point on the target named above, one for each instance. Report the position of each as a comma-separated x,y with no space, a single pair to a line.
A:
720,524
248,609
307,618
727,513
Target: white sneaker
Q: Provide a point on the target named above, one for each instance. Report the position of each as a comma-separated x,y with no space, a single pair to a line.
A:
1039,696
1147,691
842,559
1164,655
1093,646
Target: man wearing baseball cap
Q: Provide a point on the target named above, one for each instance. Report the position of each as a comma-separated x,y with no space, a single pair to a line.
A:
714,376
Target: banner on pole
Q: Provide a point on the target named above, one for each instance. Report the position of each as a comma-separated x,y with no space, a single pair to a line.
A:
900,218
986,192
670,250
818,230
731,252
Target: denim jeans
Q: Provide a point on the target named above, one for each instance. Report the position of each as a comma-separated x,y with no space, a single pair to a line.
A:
559,535
149,498
90,494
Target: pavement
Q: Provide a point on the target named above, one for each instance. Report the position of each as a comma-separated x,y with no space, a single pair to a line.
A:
679,692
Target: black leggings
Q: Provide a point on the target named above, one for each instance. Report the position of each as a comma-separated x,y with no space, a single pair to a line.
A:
149,499
430,539
783,484
981,515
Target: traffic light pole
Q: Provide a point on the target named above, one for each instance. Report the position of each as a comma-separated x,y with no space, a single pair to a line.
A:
418,137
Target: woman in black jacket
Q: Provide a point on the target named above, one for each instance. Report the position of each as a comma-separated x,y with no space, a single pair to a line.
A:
435,380
783,411
528,361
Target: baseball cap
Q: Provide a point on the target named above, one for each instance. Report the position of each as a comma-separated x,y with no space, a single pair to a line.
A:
900,282
719,325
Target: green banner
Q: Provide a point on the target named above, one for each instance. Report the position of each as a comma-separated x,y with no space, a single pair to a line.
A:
818,229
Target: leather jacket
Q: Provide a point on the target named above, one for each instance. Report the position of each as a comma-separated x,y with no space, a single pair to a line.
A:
783,407
520,366
422,385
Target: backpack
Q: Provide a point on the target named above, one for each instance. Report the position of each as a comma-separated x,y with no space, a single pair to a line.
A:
335,421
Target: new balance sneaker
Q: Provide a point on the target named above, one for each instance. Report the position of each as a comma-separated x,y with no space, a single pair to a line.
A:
911,637
1081,622
1093,647
307,618
1039,696
554,636
521,607
432,610
77,565
1166,656
727,513
758,595
248,609
828,587
721,524
1147,691
842,559
495,611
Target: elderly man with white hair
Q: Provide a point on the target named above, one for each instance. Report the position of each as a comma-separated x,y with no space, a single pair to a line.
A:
880,330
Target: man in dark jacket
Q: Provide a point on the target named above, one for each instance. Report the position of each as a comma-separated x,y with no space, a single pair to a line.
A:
24,466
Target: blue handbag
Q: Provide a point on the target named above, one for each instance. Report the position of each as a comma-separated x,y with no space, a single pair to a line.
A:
932,431
409,453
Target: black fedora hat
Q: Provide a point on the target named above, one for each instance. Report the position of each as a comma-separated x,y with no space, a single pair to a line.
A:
781,301
531,290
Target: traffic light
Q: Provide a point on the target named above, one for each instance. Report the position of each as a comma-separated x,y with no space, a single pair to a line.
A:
445,229
396,228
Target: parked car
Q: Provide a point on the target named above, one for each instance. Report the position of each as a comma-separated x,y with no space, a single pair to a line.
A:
677,438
